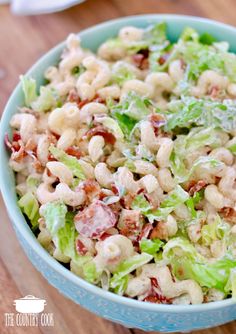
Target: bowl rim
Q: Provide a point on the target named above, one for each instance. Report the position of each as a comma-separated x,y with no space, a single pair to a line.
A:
15,213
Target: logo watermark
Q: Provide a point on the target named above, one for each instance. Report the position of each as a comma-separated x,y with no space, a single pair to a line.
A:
29,313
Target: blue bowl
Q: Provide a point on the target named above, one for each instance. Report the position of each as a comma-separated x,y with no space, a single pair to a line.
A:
125,311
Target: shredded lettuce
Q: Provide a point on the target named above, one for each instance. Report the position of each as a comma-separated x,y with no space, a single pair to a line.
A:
140,203
189,111
210,275
151,246
232,148
215,231
71,162
192,201
121,73
111,124
90,272
30,207
187,263
133,106
29,89
183,145
182,175
54,214
171,202
46,100
127,266
154,36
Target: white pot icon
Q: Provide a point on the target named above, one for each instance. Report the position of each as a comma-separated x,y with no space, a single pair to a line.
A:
29,304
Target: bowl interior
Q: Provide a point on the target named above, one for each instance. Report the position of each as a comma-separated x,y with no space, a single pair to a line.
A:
92,38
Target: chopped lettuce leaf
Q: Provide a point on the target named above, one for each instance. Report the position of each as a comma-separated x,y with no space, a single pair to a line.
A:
232,148
46,100
181,247
187,263
133,106
30,207
207,38
151,246
189,111
121,73
111,124
54,214
90,272
171,202
189,34
192,201
29,89
125,122
182,175
215,231
183,145
210,275
32,183
140,203
121,285
129,265
71,162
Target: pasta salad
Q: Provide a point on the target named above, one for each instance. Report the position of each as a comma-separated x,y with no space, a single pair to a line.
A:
125,164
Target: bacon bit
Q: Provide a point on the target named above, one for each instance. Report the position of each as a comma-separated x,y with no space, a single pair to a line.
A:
157,298
14,146
114,189
101,131
83,103
154,282
140,191
73,97
91,188
98,99
140,61
163,58
74,151
147,228
157,121
127,200
229,214
95,220
80,247
196,186
159,231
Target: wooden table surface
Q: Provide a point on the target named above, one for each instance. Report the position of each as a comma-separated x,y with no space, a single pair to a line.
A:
22,41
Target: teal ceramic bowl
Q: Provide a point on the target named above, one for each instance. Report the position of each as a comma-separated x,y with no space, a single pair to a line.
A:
128,312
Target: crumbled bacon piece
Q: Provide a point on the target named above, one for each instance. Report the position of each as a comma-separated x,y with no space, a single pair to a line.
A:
147,228
140,61
159,231
80,247
157,298
83,103
163,58
91,188
98,99
196,186
154,282
74,151
13,145
101,131
94,220
74,97
157,121
229,214
130,224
